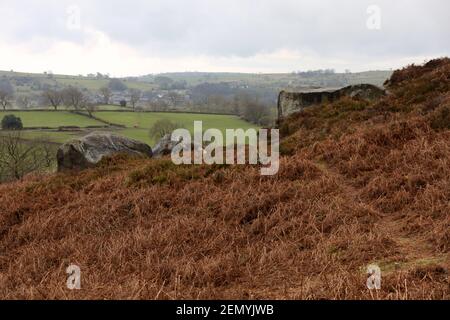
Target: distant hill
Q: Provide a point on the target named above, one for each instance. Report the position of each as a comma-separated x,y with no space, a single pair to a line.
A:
32,82
190,90
195,78
279,80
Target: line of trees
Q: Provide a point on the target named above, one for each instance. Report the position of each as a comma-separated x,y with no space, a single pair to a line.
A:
53,97
215,98
105,93
252,109
135,96
70,97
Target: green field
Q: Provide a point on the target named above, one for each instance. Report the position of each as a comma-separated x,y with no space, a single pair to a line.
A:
52,119
137,123
48,135
147,119
109,107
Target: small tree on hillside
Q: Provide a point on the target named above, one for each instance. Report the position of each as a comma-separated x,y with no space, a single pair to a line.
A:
135,96
255,112
161,128
73,97
53,97
117,85
89,107
174,98
11,122
158,105
105,92
19,157
23,101
6,93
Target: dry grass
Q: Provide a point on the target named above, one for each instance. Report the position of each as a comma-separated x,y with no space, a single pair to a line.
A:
368,184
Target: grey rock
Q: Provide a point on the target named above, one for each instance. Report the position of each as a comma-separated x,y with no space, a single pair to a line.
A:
164,146
291,102
87,151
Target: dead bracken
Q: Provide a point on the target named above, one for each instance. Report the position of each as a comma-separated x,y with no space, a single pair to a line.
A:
361,182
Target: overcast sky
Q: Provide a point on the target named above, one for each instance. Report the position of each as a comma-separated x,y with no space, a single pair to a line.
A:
137,37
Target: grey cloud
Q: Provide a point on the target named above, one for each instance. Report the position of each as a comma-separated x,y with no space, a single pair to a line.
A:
243,28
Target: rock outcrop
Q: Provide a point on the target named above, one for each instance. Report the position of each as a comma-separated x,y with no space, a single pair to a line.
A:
164,146
290,102
87,151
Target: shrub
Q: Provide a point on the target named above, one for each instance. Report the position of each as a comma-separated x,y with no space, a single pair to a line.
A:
165,172
11,122
440,119
117,85
19,158
161,128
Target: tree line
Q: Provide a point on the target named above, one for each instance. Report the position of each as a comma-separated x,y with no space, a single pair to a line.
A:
205,97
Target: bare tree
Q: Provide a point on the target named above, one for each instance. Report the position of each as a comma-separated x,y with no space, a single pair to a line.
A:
158,105
5,99
106,93
23,101
73,97
53,97
162,127
89,107
135,96
240,102
218,103
19,157
6,93
256,112
174,98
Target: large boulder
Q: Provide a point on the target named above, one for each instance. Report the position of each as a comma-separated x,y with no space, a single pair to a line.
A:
87,151
164,146
291,102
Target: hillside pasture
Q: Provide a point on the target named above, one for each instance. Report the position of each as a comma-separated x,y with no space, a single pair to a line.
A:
147,119
137,123
52,119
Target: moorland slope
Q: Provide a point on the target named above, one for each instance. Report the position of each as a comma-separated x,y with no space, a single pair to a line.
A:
359,183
